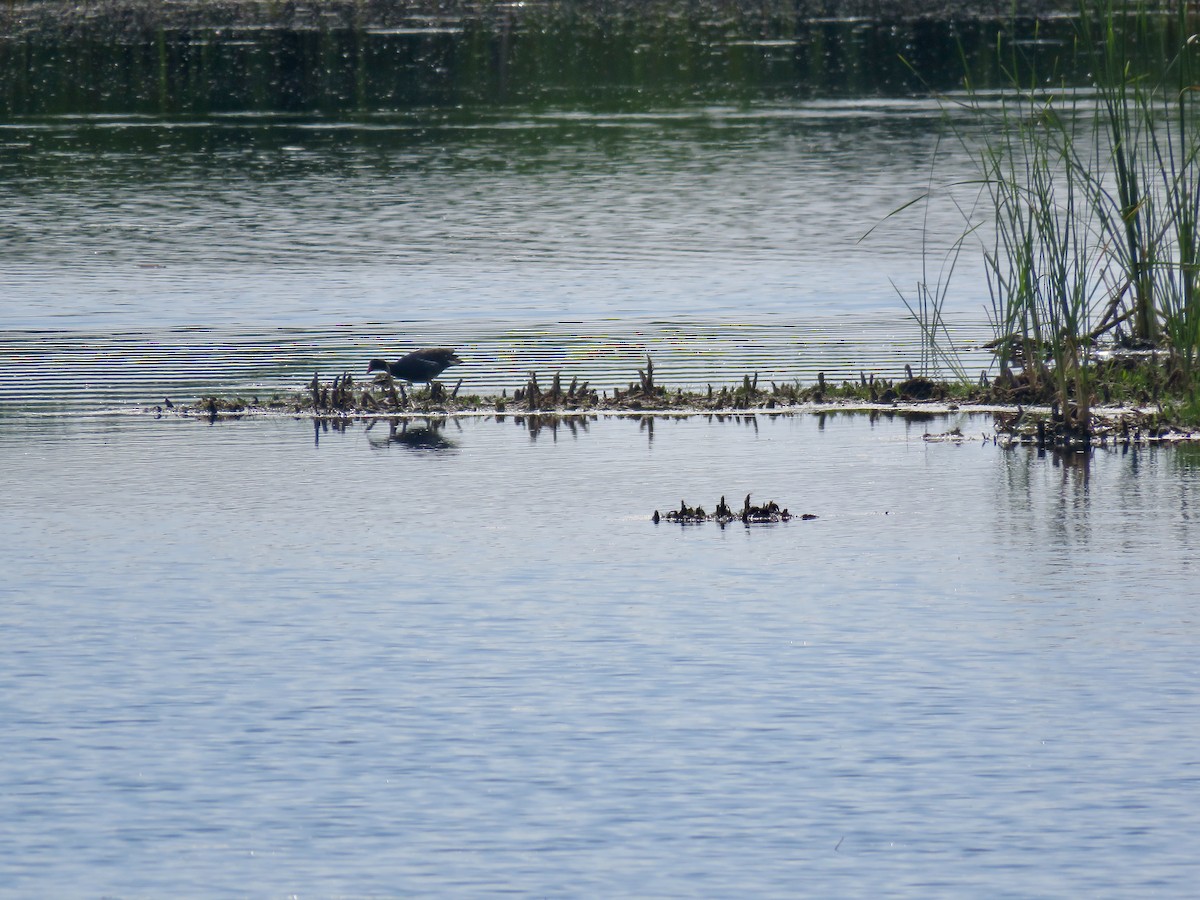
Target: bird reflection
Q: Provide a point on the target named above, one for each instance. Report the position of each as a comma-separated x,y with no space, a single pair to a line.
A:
407,433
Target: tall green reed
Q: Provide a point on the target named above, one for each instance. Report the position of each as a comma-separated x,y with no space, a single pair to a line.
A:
1093,196
1041,267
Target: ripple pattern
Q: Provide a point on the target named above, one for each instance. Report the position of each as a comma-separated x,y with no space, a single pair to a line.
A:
74,371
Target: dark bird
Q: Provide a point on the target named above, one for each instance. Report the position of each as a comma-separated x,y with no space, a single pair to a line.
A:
420,365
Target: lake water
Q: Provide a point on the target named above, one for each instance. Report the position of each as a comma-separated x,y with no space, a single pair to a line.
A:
253,658
146,257
268,657
202,244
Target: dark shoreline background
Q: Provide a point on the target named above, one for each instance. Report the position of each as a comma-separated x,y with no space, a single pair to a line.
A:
200,57
132,16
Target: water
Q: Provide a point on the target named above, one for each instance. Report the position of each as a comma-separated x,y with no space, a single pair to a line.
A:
561,224
260,659
265,657
532,217
242,255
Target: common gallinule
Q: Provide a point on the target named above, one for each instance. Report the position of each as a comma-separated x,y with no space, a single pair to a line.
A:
420,365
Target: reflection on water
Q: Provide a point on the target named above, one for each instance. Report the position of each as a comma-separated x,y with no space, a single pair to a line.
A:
341,668
408,434
537,423
536,54
1096,513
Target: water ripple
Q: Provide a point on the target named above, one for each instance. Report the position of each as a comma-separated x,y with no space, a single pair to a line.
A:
57,370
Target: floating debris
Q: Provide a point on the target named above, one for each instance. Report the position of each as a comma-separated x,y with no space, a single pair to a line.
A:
750,514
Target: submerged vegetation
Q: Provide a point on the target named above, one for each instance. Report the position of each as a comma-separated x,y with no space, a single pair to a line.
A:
1092,206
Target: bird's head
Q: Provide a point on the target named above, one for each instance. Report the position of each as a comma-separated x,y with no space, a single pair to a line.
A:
377,365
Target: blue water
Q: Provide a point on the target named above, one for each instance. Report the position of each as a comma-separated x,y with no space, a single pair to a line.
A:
266,659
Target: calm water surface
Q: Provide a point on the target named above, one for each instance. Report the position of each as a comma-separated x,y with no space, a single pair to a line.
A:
260,658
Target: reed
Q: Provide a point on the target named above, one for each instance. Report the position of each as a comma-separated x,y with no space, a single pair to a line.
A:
1093,200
